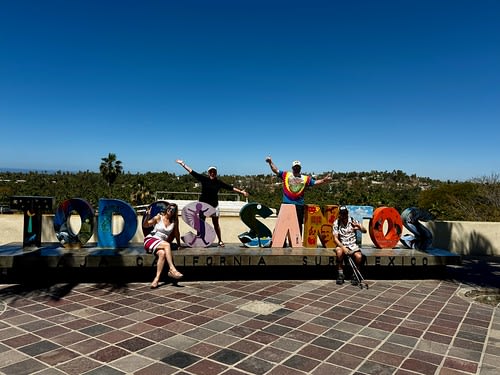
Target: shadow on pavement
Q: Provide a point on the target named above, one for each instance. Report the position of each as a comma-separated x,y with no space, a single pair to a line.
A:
483,272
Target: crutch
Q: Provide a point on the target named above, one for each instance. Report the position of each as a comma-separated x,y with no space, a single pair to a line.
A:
357,274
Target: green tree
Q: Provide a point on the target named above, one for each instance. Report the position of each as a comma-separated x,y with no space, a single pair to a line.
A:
463,201
141,193
110,169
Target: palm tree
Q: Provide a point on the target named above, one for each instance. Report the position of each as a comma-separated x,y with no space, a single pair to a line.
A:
110,168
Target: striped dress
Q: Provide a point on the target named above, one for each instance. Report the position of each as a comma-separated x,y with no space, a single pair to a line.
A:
159,233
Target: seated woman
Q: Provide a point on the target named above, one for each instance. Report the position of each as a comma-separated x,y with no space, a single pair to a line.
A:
158,242
344,234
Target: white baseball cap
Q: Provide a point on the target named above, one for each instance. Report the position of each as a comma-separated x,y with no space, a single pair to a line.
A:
296,162
211,167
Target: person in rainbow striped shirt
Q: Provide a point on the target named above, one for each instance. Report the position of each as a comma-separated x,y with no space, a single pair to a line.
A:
294,185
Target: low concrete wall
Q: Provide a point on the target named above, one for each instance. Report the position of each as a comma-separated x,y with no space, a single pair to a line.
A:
460,237
467,237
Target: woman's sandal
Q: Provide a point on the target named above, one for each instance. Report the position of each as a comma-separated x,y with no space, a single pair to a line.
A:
221,244
154,284
175,274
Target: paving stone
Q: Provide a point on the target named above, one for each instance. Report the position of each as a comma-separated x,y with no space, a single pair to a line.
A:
157,351
370,367
206,367
315,352
96,330
134,344
38,348
109,354
10,357
105,370
26,367
21,340
302,363
397,327
389,359
255,366
131,363
157,368
345,360
227,356
419,366
78,365
57,356
181,359
88,346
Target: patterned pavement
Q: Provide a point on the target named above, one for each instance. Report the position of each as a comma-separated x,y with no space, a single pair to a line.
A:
252,327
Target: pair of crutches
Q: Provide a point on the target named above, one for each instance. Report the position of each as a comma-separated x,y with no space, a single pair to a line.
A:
357,274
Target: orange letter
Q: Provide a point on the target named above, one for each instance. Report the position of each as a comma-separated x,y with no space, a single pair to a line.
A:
394,227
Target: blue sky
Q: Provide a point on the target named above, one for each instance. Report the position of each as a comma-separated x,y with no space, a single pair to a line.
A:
340,85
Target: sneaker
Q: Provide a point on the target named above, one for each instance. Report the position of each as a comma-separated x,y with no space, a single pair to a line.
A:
354,281
340,279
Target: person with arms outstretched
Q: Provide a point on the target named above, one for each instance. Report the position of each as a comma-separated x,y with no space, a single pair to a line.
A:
210,186
294,185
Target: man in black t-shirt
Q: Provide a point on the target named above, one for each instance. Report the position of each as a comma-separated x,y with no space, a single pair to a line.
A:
210,186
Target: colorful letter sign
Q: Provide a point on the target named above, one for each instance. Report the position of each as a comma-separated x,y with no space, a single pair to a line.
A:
287,227
421,237
107,209
381,237
62,227
316,224
259,234
194,214
385,228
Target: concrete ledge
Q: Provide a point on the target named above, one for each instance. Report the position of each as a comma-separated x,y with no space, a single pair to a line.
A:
52,263
233,255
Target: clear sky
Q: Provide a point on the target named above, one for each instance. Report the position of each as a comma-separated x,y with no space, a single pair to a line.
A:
411,85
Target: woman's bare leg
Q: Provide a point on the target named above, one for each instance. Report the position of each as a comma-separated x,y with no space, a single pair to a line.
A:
164,254
160,253
172,271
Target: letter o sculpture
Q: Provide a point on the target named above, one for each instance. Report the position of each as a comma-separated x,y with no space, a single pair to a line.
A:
62,227
389,239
